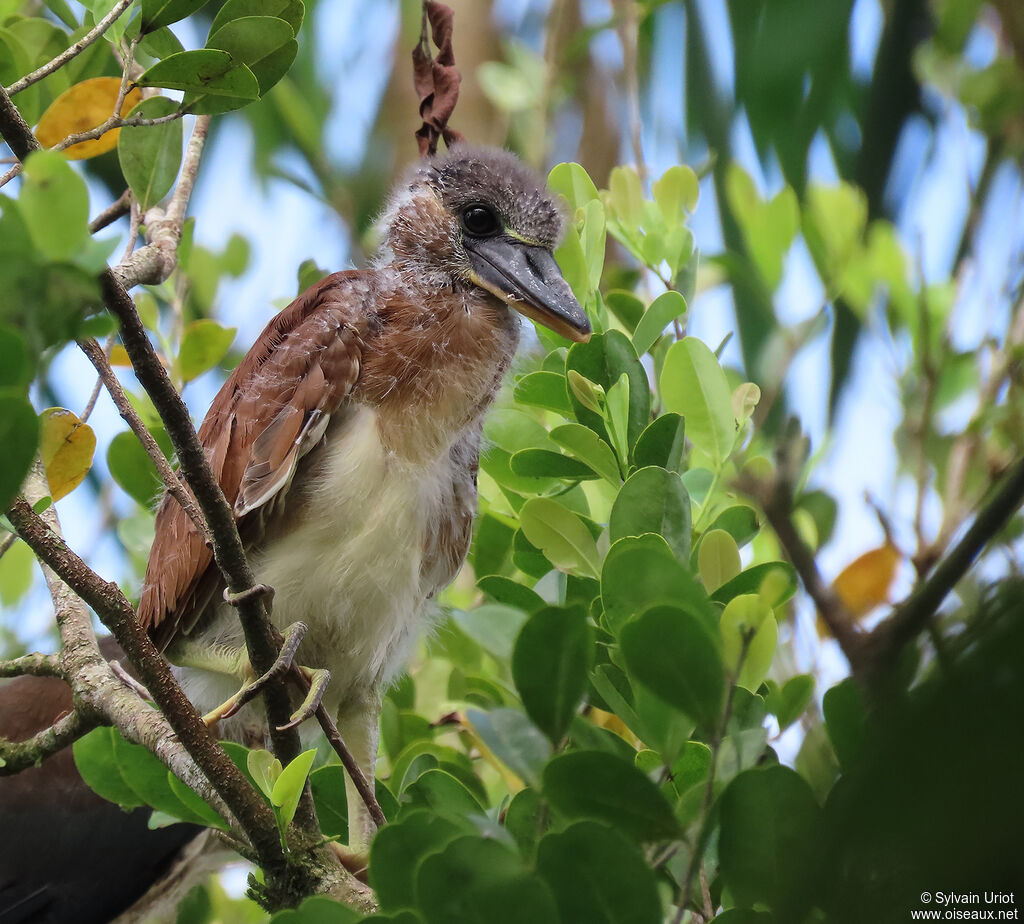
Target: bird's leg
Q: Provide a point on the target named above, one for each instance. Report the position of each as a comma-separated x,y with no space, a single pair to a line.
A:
359,725
234,662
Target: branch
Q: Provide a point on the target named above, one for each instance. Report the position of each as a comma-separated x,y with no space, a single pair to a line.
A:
16,756
117,614
98,358
72,51
913,614
117,209
35,664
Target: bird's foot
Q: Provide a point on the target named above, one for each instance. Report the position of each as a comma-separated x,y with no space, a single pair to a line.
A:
317,679
257,590
355,861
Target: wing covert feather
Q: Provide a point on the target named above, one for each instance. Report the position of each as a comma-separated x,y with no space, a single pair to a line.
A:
271,411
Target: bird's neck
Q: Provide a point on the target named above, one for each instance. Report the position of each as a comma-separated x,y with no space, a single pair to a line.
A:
433,362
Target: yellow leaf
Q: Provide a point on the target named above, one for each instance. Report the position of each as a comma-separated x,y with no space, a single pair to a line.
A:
864,583
119,356
84,106
66,445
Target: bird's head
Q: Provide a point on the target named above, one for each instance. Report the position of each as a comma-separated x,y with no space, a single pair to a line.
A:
478,217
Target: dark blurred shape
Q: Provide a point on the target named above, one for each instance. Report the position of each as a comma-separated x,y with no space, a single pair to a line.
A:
66,854
934,799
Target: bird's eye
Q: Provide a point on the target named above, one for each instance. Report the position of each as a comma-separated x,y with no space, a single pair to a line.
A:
480,220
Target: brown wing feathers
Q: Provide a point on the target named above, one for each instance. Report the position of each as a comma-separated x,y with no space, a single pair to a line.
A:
272,409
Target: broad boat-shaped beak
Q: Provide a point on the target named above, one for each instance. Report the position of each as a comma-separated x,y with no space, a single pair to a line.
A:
527,278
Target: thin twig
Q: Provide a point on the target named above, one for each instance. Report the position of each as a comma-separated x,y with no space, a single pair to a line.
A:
117,209
7,542
90,405
98,357
72,51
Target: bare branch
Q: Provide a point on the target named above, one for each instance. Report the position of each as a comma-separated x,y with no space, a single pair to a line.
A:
117,209
90,405
35,664
16,756
98,357
72,51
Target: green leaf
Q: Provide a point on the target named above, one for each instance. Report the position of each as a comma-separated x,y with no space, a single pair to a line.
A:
157,13
265,44
779,575
694,385
493,886
596,784
642,570
561,535
131,467
598,876
195,804
95,760
663,311
151,155
653,500
740,522
17,570
207,71
718,559
288,787
662,443
544,389
15,361
603,360
788,703
770,844
492,626
768,227
626,307
317,910
512,593
617,417
676,193
846,721
671,652
441,792
749,637
626,196
19,433
398,849
54,203
550,665
590,449
544,463
291,11
513,739
204,344
331,800
264,768
573,182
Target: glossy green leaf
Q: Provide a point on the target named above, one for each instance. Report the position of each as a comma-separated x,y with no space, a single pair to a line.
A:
493,886
770,843
19,434
151,155
653,500
148,778
749,637
846,721
288,787
589,448
544,389
718,559
331,800
671,651
740,522
561,535
204,344
95,760
625,306
550,665
778,576
206,71
264,768
398,849
662,443
543,463
265,44
157,13
694,385
513,739
441,792
598,785
133,470
492,626
573,182
195,804
318,909
291,11
663,311
641,571
512,593
598,876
